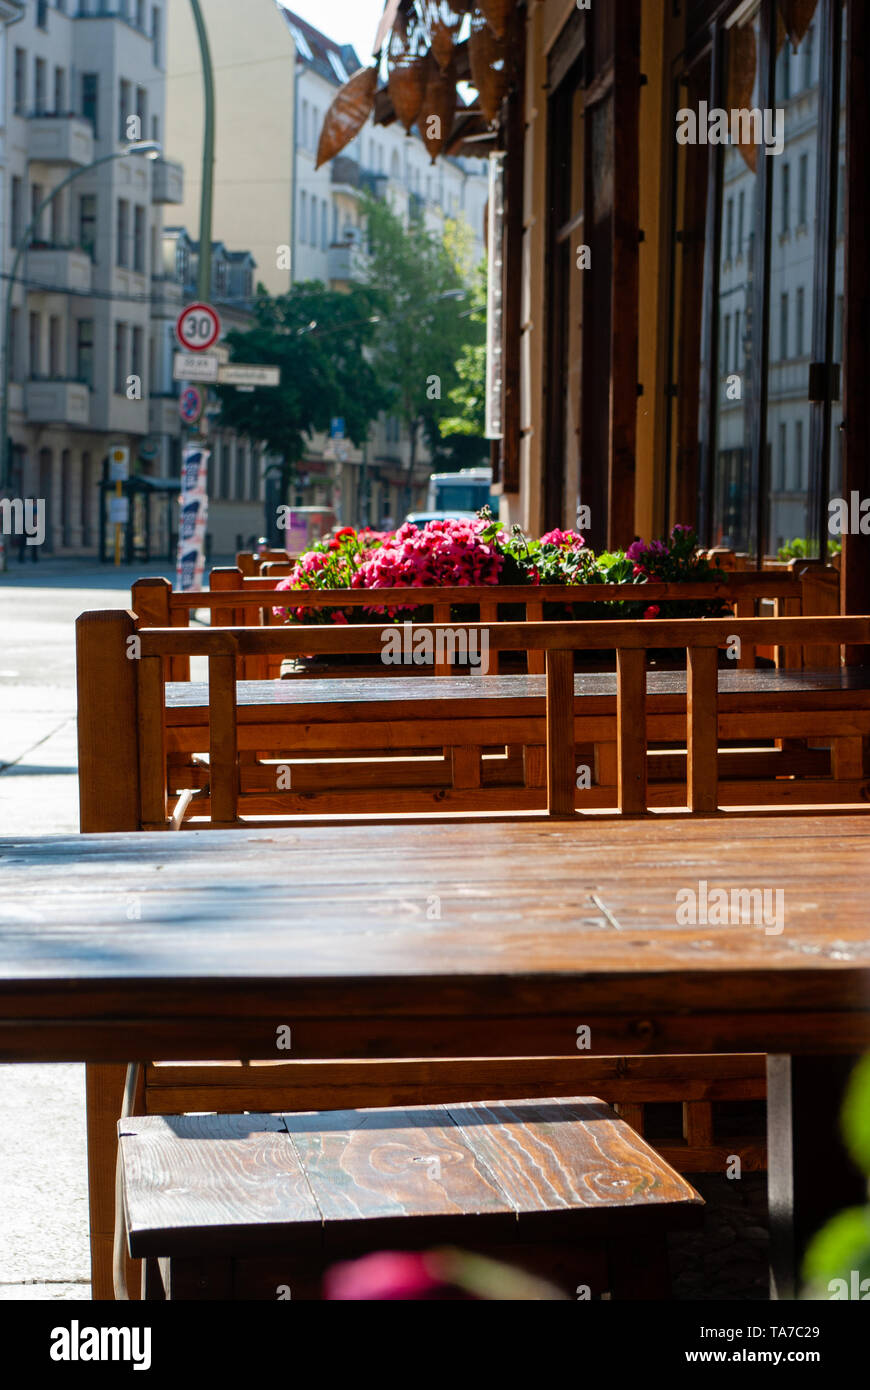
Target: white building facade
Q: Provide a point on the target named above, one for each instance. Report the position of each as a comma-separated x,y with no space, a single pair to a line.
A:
81,81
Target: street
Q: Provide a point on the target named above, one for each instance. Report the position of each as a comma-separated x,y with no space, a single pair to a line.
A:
43,1170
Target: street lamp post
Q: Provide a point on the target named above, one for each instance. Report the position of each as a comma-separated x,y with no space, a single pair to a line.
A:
206,204
151,150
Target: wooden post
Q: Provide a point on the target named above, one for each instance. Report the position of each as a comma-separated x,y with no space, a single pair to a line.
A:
152,743
108,800
631,731
223,739
702,731
560,734
152,608
536,661
228,578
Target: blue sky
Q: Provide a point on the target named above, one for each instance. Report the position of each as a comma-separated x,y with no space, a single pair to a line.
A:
346,21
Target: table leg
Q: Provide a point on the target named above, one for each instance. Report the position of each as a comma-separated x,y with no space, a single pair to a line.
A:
105,1095
809,1173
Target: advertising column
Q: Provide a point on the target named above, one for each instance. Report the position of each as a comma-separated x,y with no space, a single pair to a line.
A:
194,515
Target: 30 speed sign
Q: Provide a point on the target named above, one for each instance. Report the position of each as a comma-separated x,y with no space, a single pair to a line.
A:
198,327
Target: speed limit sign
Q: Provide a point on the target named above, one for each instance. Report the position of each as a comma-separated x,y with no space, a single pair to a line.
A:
198,327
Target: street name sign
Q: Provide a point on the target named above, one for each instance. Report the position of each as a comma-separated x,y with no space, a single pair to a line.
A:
244,374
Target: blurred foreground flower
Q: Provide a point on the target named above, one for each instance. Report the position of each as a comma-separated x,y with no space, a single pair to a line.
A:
432,1276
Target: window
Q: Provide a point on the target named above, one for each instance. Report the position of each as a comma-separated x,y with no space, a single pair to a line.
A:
85,351
324,216
808,56
142,112
58,221
738,347
800,472
140,14
783,457
784,199
120,359
15,354
783,326
42,14
156,41
312,236
726,340
803,184
55,364
155,129
35,345
338,67
137,352
37,194
125,98
799,323
303,126
39,103
301,42
182,262
90,99
123,233
729,226
16,228
139,240
59,91
19,83
88,224
303,216
225,470
783,85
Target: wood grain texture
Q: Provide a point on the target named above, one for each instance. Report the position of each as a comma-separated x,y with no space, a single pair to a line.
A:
560,735
631,732
702,715
242,1184
107,718
244,931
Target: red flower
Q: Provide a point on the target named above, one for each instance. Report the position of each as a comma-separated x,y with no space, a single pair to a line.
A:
345,531
653,611
335,545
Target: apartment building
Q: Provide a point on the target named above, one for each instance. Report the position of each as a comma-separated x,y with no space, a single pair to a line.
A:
82,81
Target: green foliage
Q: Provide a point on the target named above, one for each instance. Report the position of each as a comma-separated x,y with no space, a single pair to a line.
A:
800,549
841,1250
421,284
469,394
320,338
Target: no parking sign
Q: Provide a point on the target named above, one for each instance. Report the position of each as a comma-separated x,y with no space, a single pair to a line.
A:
190,405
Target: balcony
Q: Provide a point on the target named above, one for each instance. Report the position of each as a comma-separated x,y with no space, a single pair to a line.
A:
163,417
167,297
57,402
168,182
59,268
60,139
346,261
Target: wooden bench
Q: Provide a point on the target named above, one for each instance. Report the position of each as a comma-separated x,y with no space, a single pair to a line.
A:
244,1206
121,707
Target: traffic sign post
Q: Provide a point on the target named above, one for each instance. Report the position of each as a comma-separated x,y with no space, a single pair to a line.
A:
190,405
198,327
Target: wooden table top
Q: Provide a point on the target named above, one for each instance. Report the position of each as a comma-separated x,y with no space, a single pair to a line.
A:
433,939
853,683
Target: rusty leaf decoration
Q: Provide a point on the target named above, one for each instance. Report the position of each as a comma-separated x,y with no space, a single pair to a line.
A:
438,111
407,85
742,59
797,16
443,25
487,58
351,108
496,14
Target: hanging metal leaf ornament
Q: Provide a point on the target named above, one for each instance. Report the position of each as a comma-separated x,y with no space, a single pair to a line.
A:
438,111
487,58
350,109
496,13
443,25
407,86
797,16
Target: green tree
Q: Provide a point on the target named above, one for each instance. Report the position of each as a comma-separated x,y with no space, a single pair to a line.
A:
469,394
321,340
422,284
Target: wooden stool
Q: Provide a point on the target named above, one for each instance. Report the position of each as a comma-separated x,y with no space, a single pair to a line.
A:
258,1206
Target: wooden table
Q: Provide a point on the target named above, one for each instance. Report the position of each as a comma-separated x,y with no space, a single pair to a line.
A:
131,946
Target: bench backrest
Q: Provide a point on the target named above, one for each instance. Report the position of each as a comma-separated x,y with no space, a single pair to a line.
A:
132,694
235,601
